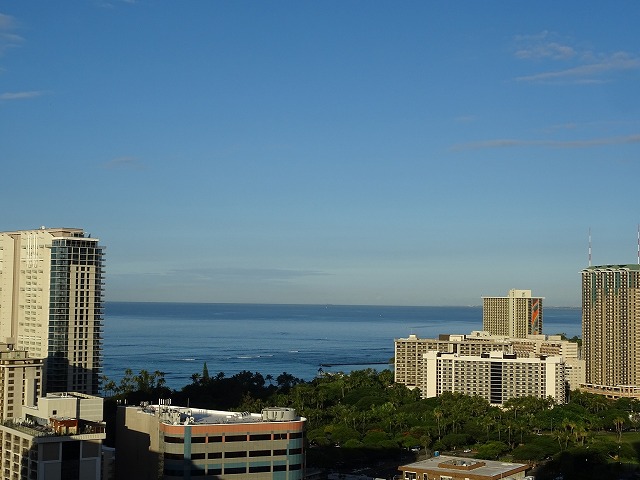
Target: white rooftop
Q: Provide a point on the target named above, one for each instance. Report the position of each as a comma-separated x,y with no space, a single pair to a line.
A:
174,415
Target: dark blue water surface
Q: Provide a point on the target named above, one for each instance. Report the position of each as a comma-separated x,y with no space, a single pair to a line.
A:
177,338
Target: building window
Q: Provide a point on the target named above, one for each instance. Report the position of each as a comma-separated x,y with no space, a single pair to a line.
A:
260,453
173,456
174,439
240,454
265,468
235,470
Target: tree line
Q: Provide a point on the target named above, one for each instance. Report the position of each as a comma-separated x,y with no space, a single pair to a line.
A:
362,416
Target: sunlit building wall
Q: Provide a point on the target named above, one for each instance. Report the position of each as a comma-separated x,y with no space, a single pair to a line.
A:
409,352
611,329
497,376
51,301
20,381
516,315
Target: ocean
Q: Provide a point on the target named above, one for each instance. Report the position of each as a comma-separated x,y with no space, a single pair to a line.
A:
178,338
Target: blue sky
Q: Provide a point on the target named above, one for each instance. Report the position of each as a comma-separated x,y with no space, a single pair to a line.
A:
347,152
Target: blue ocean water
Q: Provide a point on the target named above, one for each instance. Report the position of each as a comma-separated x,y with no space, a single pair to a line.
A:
177,338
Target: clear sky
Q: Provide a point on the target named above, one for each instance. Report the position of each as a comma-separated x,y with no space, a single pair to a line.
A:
346,152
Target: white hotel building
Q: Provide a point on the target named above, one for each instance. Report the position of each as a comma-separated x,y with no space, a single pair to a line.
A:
495,376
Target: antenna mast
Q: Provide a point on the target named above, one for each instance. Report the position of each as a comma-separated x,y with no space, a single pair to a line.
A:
590,245
639,244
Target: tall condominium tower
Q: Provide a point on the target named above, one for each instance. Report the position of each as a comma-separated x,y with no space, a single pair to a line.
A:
611,329
517,315
51,300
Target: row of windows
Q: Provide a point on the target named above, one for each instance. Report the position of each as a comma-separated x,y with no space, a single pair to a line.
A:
232,470
236,438
236,454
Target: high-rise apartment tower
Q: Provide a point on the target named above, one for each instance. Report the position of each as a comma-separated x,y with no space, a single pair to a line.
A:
611,329
516,315
51,300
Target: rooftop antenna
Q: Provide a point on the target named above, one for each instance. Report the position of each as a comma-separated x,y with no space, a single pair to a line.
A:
639,244
590,246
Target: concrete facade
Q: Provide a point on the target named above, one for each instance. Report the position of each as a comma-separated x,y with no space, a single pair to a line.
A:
46,444
168,442
495,376
51,300
611,329
459,468
516,315
20,381
409,352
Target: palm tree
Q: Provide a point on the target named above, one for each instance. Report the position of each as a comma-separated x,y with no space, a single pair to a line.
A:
438,413
563,437
580,433
160,380
489,421
618,422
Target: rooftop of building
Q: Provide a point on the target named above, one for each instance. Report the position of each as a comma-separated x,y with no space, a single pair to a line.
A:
450,465
59,427
176,415
496,355
70,395
484,336
63,230
629,266
7,352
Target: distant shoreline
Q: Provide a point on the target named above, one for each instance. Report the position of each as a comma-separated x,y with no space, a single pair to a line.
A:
351,364
327,305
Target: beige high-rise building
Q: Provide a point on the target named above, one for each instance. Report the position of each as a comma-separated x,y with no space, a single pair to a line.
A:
51,300
611,329
516,315
20,381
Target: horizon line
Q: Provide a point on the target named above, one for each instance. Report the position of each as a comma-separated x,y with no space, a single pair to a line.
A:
316,304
